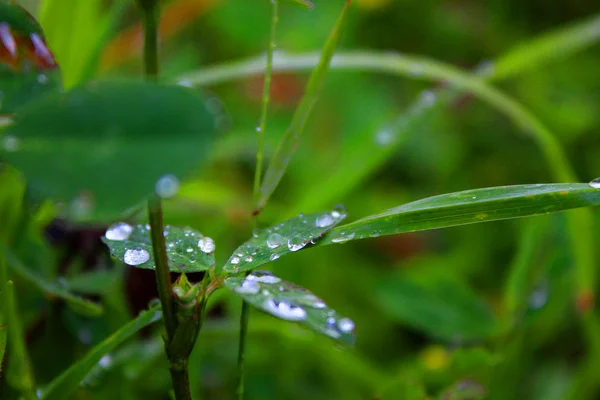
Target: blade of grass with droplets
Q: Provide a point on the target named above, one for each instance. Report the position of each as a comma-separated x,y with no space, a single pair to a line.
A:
61,387
19,374
291,137
469,207
292,235
187,249
289,302
50,289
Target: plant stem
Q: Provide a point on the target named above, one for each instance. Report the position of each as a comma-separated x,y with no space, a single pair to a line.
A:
262,124
163,276
150,17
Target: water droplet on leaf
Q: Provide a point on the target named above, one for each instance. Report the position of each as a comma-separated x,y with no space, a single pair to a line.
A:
118,231
285,310
346,325
274,240
207,245
167,186
324,221
595,183
136,256
296,243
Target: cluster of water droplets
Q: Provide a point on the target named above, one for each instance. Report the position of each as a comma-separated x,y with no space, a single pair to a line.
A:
292,235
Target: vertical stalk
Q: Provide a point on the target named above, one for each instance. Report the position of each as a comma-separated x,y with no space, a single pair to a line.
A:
262,124
150,17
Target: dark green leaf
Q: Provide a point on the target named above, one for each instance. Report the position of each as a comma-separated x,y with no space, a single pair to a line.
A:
61,387
187,250
440,308
287,301
18,19
291,138
3,332
469,207
289,236
51,289
123,137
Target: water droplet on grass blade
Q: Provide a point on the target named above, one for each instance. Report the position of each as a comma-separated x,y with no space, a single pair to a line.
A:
595,183
296,243
167,186
285,310
136,256
235,260
324,221
274,240
248,287
345,325
118,231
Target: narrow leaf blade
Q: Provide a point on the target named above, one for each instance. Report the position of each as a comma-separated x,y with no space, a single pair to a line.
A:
289,236
51,289
291,138
187,249
289,302
469,207
61,387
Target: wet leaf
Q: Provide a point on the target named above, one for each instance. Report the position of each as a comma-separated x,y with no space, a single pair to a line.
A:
51,289
27,66
469,207
123,136
289,236
187,249
287,301
61,387
291,137
439,307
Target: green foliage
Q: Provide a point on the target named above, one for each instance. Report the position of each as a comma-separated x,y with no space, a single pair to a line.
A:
187,250
139,132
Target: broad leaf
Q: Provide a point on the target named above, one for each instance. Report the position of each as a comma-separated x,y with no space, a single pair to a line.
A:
291,138
27,67
287,301
61,387
50,289
187,250
469,207
122,136
440,308
289,236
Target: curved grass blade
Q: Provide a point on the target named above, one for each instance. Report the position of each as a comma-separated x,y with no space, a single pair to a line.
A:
291,138
469,207
301,3
20,374
289,302
51,289
289,236
61,387
187,249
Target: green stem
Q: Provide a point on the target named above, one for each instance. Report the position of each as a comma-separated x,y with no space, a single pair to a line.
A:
163,276
266,97
150,18
181,380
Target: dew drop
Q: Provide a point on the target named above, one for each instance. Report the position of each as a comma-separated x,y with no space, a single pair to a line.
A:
339,211
274,240
274,257
343,238
11,143
265,278
384,138
248,287
296,243
167,186
136,256
118,231
256,232
324,221
595,183
375,234
234,260
207,245
189,250
248,259
319,304
427,98
105,361
345,325
285,310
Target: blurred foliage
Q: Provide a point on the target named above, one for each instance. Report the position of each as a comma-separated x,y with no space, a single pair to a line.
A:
397,288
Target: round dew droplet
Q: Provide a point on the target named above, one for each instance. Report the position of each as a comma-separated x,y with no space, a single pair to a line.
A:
206,245
595,183
248,259
167,186
118,231
324,221
339,211
343,238
274,257
136,256
345,325
256,232
235,260
296,243
268,279
274,240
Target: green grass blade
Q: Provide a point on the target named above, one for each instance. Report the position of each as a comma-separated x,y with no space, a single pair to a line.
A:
3,334
50,289
61,387
291,138
468,207
19,374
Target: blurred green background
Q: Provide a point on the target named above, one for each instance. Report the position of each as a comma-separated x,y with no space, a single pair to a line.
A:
429,308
